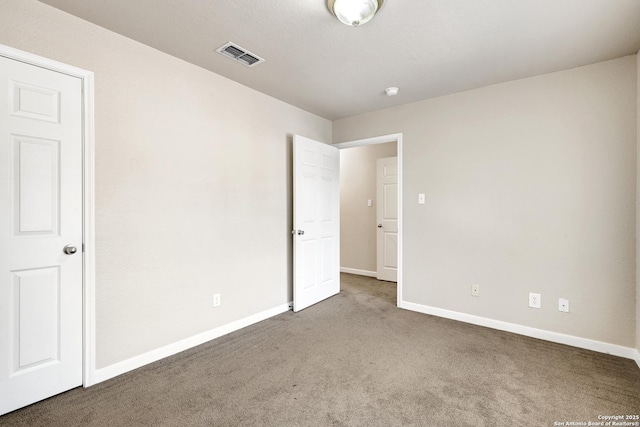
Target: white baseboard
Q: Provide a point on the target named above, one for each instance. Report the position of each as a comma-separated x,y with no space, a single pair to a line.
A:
358,272
120,368
602,347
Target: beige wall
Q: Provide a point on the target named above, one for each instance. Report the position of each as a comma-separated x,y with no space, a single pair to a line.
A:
530,187
357,220
192,184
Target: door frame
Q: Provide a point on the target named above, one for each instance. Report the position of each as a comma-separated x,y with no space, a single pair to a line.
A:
88,198
397,138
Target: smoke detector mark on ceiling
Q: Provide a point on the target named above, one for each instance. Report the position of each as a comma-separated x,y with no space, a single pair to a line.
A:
240,54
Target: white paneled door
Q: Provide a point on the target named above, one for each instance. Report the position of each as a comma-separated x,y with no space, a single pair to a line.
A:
40,233
387,215
316,222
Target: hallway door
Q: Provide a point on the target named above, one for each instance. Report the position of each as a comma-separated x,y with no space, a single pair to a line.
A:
387,216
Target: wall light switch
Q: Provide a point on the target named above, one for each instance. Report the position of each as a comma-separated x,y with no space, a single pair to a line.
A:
369,202
421,199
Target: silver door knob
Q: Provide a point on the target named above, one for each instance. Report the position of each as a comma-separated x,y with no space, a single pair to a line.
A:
69,249
379,225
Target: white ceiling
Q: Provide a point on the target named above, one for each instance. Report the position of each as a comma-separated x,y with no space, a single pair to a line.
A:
425,47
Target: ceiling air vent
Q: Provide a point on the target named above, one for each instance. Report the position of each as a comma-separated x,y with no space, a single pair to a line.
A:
240,54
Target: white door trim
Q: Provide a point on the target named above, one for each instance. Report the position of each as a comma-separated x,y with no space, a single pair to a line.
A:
88,188
394,137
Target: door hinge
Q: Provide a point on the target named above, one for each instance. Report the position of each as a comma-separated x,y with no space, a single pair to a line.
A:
83,248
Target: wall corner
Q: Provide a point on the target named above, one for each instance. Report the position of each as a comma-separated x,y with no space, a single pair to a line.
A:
637,203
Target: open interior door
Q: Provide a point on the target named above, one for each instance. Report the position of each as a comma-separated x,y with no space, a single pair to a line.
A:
316,222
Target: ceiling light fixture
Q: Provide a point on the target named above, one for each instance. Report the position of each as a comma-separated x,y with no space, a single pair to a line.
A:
354,12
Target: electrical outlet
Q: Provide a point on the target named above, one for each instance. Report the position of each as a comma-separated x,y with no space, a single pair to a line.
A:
475,290
216,300
534,300
563,305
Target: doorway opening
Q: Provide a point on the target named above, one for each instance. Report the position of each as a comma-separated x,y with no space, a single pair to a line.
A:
363,230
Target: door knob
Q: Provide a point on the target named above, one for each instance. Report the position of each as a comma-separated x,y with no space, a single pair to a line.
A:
379,225
70,249
300,232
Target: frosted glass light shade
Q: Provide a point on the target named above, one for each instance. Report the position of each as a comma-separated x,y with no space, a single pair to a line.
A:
354,12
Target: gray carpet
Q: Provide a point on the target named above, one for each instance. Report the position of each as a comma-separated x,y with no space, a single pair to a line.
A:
356,360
